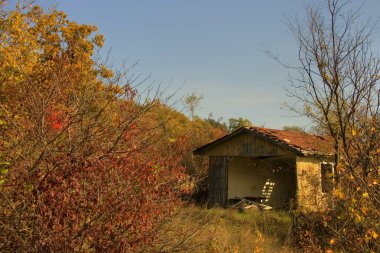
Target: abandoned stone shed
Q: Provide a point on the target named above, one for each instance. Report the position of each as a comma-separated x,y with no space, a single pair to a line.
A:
275,167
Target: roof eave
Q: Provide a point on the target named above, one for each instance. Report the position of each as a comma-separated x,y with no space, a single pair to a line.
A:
316,153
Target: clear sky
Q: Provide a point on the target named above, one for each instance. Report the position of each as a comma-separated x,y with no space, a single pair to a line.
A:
215,47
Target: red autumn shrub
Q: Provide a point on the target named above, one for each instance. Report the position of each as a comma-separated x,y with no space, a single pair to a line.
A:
85,172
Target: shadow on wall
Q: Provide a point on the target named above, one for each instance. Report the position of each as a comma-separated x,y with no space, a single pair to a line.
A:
272,180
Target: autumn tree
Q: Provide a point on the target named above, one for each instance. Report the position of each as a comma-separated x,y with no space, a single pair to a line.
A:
171,127
337,84
83,173
217,123
192,103
235,123
296,129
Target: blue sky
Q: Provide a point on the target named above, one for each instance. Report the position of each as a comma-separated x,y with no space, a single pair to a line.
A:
215,47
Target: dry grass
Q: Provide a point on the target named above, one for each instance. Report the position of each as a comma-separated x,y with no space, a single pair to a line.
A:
225,230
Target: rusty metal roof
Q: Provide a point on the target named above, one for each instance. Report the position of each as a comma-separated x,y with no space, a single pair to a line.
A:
301,143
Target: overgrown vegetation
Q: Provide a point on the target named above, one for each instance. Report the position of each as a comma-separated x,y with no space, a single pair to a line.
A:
337,85
87,163
228,230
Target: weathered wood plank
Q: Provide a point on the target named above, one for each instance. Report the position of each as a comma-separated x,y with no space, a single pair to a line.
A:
217,181
249,145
